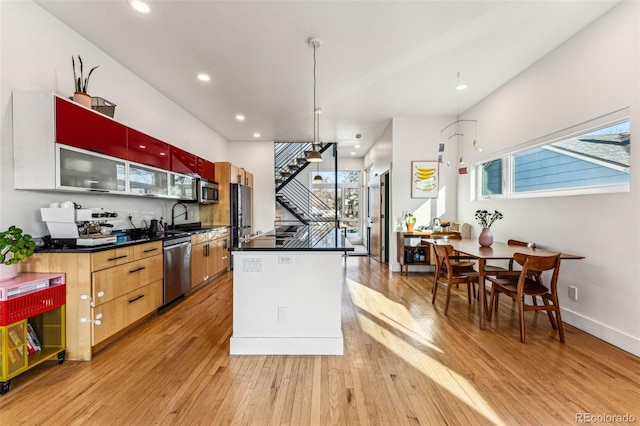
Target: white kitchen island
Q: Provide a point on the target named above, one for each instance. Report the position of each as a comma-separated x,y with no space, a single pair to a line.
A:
287,300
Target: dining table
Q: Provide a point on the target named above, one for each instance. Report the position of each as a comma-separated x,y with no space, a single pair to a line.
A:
496,251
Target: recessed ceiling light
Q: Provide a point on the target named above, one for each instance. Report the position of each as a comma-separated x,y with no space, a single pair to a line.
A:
462,86
357,146
239,117
203,77
256,135
353,153
140,6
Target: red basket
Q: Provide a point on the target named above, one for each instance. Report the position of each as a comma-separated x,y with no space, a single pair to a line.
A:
32,304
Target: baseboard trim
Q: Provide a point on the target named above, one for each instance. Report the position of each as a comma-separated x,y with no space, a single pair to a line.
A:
287,346
602,331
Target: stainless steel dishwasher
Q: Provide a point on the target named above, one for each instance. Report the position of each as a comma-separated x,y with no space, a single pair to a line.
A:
177,268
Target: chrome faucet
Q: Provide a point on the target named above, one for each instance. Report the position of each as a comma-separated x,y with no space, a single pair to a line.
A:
173,216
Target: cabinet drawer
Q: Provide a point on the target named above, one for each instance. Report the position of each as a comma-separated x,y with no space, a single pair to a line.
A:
125,310
142,251
142,301
199,239
111,320
203,237
111,283
111,258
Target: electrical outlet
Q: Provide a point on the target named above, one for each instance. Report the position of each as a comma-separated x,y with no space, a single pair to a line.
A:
283,313
573,292
252,265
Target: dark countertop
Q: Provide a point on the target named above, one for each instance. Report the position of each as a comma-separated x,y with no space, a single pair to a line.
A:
303,238
131,239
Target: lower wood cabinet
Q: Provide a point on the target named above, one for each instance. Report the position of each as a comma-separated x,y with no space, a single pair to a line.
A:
209,255
107,291
111,317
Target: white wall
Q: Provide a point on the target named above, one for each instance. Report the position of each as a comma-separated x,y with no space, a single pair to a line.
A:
594,73
380,155
258,158
35,54
416,139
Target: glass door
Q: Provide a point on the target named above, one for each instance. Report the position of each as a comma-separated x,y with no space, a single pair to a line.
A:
81,169
147,181
182,187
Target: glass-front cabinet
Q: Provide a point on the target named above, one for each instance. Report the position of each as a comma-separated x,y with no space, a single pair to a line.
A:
182,187
78,169
147,181
83,170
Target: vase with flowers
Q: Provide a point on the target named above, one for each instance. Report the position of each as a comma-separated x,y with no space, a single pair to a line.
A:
485,220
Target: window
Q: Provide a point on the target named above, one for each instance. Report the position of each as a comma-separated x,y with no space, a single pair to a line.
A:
347,199
491,178
592,161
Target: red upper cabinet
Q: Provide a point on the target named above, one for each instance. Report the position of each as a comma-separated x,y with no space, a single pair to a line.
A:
148,150
82,128
182,161
206,169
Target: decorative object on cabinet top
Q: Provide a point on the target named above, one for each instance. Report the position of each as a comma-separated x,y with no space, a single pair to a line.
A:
81,83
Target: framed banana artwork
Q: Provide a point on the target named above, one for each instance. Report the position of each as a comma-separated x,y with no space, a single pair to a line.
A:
424,179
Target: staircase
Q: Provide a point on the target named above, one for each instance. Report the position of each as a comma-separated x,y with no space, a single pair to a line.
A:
295,197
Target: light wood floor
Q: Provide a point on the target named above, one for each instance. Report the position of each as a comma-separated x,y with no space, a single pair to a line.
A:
405,363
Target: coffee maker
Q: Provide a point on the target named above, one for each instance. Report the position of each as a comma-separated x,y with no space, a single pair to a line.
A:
77,226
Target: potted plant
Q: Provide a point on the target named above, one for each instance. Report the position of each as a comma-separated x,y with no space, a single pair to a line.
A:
15,247
410,221
81,83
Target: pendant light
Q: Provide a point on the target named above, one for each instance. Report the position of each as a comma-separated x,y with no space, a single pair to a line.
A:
318,178
314,155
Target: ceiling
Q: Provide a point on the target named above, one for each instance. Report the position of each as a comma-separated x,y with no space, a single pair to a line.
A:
378,59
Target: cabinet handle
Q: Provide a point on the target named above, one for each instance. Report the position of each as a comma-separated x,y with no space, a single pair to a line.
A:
225,257
208,248
98,190
150,250
136,298
137,269
117,257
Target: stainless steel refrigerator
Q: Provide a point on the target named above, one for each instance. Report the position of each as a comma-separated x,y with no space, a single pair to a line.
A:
240,212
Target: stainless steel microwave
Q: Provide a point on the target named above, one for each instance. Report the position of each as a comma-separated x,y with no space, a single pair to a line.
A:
207,192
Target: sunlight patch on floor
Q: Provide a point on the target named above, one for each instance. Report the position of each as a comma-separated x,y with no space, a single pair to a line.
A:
394,314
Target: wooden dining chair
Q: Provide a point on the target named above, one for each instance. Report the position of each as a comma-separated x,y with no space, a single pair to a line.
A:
528,283
457,259
500,272
447,275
